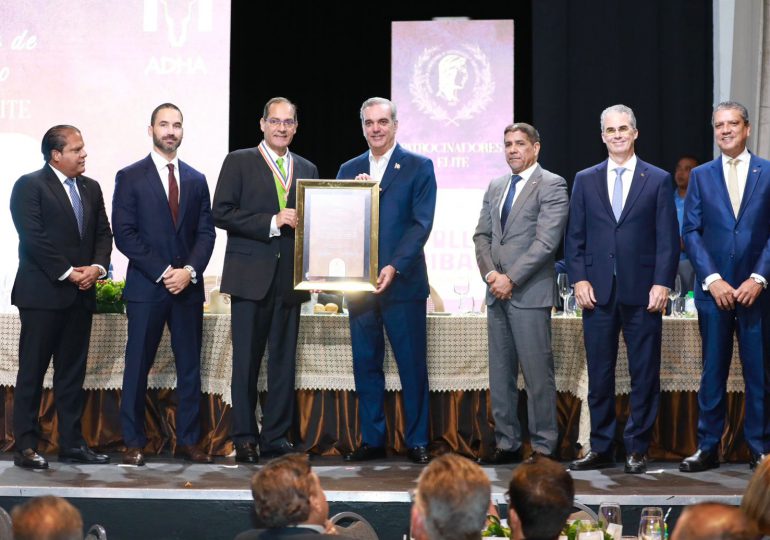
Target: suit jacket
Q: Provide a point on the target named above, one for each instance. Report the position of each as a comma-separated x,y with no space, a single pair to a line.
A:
641,249
715,240
49,241
146,234
244,203
525,250
295,533
407,205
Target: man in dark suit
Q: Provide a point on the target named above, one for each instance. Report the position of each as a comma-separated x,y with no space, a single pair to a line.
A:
255,203
64,247
161,213
726,232
407,204
520,228
289,502
622,248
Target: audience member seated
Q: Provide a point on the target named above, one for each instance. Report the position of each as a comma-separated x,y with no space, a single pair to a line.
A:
712,521
451,500
289,502
756,498
540,498
47,518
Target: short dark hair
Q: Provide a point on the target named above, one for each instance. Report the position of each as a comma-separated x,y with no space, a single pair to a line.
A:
55,139
47,518
527,129
726,105
282,490
541,492
161,107
278,99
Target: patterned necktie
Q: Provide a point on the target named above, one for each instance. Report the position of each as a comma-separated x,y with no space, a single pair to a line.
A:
732,185
77,204
173,193
617,193
279,186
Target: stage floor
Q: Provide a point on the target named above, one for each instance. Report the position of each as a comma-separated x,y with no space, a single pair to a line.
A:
387,481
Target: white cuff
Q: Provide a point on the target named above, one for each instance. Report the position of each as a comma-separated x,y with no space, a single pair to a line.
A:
274,230
710,279
66,274
163,274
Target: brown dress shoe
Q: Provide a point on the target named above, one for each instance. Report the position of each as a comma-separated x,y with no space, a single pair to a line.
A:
193,453
133,456
29,459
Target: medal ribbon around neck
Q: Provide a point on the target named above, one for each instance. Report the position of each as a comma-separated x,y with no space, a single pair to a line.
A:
285,180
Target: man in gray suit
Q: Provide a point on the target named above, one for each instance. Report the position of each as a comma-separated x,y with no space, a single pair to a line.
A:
520,227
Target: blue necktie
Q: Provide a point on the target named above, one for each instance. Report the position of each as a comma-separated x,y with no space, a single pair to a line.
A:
617,193
77,204
508,200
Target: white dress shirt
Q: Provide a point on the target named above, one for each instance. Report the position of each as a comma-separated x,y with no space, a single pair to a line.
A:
525,174
378,166
274,230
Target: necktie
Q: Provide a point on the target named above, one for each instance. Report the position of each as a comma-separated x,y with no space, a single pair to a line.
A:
77,204
508,201
617,193
732,185
173,193
279,186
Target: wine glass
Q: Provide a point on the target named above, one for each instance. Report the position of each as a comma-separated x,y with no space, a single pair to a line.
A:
674,293
609,513
461,286
651,527
565,290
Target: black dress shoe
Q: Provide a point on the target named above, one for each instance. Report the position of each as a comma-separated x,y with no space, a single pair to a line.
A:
365,453
636,463
755,460
501,457
593,460
276,450
419,454
702,460
29,459
246,453
536,454
82,454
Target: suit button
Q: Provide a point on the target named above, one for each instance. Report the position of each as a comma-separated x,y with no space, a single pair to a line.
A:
502,243
612,255
277,255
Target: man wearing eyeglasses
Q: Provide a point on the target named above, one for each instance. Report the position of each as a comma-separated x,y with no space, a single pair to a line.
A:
255,203
622,249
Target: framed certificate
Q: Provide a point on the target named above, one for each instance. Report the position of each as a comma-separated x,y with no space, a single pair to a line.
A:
336,240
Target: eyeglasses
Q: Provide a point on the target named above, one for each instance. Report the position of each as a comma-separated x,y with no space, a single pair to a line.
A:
623,130
275,122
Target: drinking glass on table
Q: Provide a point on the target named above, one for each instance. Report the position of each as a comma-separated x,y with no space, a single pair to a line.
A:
651,527
565,290
674,293
609,512
461,286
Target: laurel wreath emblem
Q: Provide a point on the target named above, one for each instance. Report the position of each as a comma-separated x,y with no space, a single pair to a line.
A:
422,91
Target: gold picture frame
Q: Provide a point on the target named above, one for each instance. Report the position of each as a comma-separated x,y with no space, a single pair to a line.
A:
337,237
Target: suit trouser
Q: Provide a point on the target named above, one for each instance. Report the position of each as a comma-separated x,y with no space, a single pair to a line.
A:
717,328
63,334
254,324
406,326
521,337
642,332
146,321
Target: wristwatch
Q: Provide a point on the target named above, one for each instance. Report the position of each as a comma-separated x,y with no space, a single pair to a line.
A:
760,281
193,275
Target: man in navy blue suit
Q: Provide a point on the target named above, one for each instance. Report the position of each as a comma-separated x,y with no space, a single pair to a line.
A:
407,204
726,232
622,249
161,213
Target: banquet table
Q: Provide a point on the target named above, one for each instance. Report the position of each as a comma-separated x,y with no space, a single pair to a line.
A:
457,358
